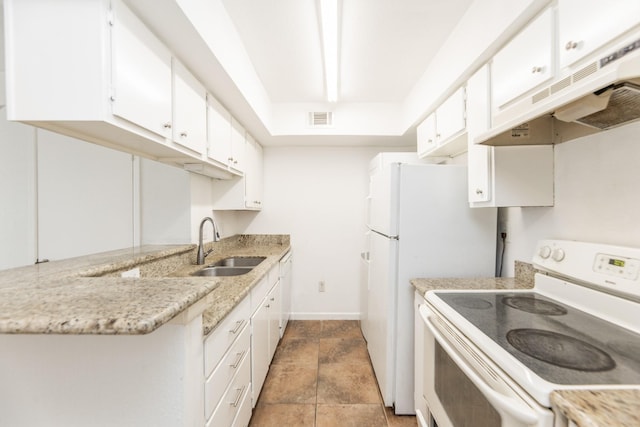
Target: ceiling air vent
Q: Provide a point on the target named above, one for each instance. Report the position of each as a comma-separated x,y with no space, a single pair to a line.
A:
320,119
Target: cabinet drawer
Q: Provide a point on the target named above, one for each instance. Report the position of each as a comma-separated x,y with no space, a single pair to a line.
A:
217,343
232,400
223,374
244,413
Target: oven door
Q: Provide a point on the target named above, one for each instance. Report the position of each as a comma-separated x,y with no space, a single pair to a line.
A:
464,388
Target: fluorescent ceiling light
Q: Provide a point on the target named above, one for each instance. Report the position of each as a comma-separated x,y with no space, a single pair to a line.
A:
329,23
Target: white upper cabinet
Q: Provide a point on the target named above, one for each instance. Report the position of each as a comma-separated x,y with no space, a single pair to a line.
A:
586,25
443,132
236,160
245,192
503,176
46,51
426,133
253,174
218,132
94,71
450,117
478,121
141,73
189,109
525,62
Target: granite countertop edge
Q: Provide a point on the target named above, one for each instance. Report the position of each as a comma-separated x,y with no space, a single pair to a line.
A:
66,297
599,407
524,278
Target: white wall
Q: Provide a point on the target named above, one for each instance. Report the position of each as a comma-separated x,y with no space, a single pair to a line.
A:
165,214
317,195
17,189
200,206
62,197
84,196
597,197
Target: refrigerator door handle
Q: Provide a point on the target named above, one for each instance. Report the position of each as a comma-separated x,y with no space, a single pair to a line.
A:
385,235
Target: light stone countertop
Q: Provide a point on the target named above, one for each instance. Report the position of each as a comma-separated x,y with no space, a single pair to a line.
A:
599,408
586,408
523,280
86,295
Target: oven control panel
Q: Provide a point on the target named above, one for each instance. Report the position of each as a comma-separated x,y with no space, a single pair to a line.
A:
614,268
617,266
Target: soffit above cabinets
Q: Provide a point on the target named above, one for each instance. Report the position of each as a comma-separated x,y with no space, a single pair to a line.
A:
263,60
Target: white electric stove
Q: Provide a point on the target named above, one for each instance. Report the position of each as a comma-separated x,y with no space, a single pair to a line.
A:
504,352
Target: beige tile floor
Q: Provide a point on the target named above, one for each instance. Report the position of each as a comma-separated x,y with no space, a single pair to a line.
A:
321,376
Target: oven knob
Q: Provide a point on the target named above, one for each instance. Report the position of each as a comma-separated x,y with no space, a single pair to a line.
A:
544,252
558,255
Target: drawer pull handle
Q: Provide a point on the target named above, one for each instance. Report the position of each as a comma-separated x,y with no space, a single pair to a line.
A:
239,357
239,324
238,396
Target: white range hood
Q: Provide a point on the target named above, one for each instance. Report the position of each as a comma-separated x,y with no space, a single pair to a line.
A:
601,95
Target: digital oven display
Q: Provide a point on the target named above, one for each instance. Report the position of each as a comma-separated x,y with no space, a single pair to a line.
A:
616,262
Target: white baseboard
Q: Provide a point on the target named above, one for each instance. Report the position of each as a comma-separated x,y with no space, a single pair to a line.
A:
325,316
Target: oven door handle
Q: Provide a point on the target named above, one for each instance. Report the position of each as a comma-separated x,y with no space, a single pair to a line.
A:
501,402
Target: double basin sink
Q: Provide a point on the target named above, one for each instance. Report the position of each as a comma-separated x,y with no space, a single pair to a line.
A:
233,266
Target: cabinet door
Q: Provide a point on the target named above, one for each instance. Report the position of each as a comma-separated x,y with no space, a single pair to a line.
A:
585,25
525,62
141,74
218,131
259,349
237,146
253,174
274,301
427,135
450,116
189,109
478,121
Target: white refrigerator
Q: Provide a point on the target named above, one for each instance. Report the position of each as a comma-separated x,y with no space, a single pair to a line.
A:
420,225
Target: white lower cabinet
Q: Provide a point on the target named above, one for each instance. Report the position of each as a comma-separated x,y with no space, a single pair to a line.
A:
230,365
233,399
265,329
227,368
260,345
274,304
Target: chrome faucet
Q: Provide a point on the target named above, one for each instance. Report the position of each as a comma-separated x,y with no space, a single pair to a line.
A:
201,253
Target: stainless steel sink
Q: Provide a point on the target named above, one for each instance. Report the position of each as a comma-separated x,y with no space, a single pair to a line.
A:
222,271
249,261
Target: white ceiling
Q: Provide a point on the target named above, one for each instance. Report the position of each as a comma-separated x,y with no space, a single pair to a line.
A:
385,46
262,60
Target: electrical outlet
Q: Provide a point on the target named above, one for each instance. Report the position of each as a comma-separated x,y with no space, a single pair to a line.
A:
502,227
321,286
133,273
